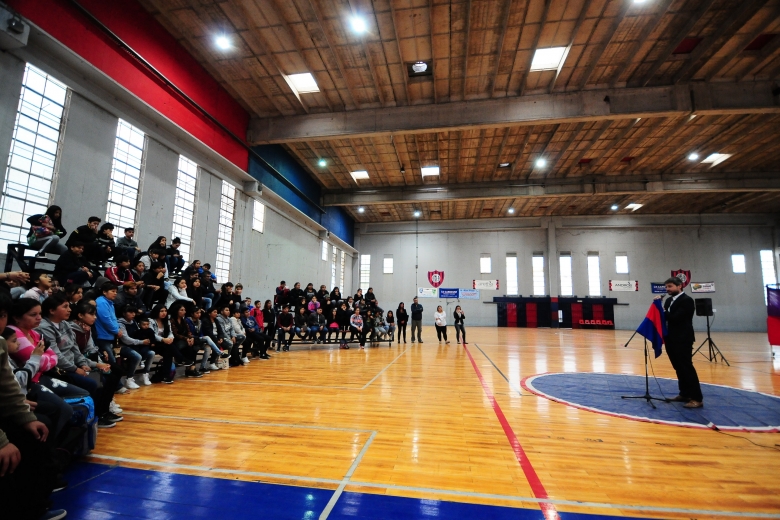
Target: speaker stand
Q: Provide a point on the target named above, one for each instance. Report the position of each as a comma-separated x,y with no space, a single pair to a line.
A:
712,349
647,397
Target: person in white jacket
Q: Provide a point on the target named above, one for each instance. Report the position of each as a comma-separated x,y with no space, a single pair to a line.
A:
178,291
440,320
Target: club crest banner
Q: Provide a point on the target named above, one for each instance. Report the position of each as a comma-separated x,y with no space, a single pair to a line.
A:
436,278
684,275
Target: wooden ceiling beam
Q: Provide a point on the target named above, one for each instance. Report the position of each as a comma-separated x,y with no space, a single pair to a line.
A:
692,20
761,59
663,7
371,67
668,135
404,74
572,38
501,37
341,179
613,143
713,43
466,49
595,139
574,133
546,170
520,153
433,54
603,45
529,61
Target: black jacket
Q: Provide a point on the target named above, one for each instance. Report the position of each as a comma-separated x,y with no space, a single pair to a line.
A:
284,320
83,234
417,310
317,319
269,317
68,263
679,320
459,318
402,316
322,294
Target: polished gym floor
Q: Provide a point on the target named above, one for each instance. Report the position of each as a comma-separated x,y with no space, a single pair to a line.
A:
428,430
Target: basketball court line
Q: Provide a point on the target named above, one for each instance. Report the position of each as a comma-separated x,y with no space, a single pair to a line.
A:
537,488
500,372
383,370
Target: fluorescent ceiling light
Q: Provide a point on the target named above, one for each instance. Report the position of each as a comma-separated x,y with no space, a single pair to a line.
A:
541,162
504,165
634,206
304,83
222,42
429,171
547,59
361,209
358,24
359,175
693,157
716,158
322,163
511,210
417,213
615,207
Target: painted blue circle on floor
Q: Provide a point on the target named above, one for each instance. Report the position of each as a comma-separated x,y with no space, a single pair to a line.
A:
725,408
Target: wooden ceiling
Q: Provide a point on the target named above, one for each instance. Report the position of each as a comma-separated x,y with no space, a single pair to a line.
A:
482,49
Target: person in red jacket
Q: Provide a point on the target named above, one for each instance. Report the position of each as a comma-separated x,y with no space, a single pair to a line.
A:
120,273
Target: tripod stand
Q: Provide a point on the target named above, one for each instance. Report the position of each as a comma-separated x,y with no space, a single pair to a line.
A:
647,397
712,349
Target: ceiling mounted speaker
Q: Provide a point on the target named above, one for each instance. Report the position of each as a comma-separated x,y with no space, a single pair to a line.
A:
324,234
252,188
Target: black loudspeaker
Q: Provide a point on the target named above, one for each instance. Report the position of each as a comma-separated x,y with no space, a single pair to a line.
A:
703,306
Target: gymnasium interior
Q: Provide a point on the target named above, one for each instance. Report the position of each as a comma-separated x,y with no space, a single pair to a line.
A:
544,167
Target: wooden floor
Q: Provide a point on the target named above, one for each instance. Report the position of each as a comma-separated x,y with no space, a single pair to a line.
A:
414,420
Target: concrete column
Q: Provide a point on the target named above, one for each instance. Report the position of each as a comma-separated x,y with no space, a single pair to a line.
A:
552,259
11,78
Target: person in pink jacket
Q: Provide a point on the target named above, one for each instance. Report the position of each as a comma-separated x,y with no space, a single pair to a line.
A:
313,304
26,317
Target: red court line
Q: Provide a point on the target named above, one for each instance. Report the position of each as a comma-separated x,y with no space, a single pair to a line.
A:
537,488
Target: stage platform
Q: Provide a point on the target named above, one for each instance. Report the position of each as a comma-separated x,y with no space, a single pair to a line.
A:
430,430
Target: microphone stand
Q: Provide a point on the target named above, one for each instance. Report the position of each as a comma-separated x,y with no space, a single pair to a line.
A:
647,397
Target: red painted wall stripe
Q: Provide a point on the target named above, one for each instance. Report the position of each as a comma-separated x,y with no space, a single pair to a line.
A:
142,32
537,488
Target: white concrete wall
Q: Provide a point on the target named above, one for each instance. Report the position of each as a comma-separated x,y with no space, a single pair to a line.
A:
654,247
11,77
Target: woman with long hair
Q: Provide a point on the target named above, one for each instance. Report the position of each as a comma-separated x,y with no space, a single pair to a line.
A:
440,320
403,318
183,339
165,346
46,231
459,328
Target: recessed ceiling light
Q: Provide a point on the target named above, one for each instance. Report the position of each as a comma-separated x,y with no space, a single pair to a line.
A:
322,163
504,165
634,206
716,158
541,162
429,171
547,59
419,66
358,24
417,213
304,83
361,209
615,207
510,210
693,157
359,175
222,42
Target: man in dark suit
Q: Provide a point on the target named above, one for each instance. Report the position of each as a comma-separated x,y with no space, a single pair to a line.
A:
679,343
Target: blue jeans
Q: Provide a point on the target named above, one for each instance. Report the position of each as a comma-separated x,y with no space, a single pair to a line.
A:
206,302
281,334
208,345
147,355
314,329
133,358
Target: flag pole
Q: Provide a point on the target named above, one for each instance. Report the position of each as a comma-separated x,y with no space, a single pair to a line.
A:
647,397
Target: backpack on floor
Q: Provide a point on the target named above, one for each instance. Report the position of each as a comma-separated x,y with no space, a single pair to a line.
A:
84,416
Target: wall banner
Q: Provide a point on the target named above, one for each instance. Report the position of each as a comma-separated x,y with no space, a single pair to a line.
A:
623,285
424,292
703,287
468,294
658,288
448,294
485,285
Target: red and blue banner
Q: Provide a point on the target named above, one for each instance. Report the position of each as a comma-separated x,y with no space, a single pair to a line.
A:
653,327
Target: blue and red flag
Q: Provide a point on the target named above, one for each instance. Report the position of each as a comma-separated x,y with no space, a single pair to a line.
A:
653,327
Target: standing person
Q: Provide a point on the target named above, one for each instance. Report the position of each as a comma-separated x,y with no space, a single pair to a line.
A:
459,328
417,313
126,245
440,319
679,343
356,327
268,322
285,323
403,318
46,231
343,316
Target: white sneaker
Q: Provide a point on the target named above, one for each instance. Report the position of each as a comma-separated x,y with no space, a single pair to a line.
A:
130,384
245,360
145,379
121,390
114,408
213,366
142,365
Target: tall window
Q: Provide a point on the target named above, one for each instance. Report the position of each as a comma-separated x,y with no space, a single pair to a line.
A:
31,163
594,276
184,204
567,283
125,175
621,263
485,264
537,265
767,269
324,251
365,272
334,256
738,264
511,274
258,216
227,210
387,264
343,267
